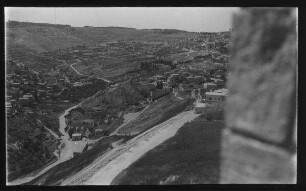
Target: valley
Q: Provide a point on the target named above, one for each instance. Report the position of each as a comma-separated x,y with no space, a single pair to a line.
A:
110,94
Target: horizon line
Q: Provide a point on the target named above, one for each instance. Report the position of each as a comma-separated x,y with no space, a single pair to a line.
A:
117,27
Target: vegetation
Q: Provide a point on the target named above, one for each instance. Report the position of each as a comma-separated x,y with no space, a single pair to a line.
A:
213,115
190,157
64,170
29,146
25,24
165,108
75,94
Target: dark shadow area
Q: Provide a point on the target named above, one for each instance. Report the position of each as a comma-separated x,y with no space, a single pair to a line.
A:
192,156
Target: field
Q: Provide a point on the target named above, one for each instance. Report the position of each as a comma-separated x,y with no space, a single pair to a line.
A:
190,157
165,108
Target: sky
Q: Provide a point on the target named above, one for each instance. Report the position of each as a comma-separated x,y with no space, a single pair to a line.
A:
195,19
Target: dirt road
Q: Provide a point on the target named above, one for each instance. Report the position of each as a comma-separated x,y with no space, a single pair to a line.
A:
66,152
109,165
108,81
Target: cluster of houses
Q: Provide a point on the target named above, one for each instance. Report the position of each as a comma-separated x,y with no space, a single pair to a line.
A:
212,100
131,51
28,89
209,91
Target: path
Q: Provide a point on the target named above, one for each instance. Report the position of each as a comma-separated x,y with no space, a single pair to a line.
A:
109,165
190,51
108,81
66,152
51,131
76,70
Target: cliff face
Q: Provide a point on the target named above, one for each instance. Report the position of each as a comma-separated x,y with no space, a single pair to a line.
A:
259,141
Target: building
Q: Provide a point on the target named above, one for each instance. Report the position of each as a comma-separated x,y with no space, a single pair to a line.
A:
219,82
209,86
216,98
76,136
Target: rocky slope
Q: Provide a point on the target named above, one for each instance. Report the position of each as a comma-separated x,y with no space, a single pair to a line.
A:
119,96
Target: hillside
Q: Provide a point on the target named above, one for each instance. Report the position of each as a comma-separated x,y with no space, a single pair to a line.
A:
38,38
165,108
26,137
190,157
118,96
62,171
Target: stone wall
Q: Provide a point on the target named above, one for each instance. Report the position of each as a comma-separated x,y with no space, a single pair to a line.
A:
259,142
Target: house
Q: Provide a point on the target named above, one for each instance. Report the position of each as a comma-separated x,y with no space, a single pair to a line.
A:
219,82
76,136
209,86
216,98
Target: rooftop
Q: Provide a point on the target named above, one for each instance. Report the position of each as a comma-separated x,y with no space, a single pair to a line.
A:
219,92
76,134
200,104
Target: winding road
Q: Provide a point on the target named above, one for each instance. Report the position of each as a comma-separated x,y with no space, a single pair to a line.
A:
109,165
108,81
66,151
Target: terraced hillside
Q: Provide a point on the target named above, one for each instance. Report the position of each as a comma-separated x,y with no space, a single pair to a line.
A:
39,38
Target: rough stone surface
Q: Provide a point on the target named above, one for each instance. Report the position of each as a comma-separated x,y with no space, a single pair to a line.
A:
259,142
248,161
263,73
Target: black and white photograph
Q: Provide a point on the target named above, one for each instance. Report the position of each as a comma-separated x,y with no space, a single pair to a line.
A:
150,95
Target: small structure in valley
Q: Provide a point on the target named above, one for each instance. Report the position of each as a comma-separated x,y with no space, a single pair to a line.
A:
76,136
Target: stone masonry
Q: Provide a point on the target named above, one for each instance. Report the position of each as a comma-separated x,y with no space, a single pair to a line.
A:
259,142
